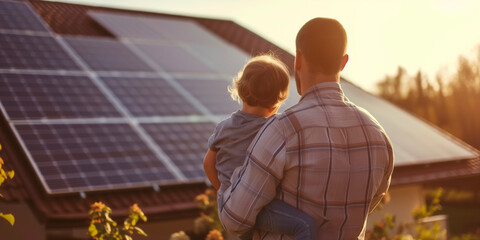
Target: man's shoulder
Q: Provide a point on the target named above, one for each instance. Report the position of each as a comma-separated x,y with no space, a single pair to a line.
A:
367,117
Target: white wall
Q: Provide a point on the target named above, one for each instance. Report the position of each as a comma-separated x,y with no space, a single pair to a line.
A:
26,224
403,199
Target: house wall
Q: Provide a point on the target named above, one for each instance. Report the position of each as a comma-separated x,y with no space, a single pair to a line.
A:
26,226
403,199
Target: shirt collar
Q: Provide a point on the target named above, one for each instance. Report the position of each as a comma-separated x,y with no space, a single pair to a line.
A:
324,90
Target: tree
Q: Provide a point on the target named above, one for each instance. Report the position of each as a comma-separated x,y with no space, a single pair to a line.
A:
452,105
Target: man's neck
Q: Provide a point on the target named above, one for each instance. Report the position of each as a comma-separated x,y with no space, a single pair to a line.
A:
319,78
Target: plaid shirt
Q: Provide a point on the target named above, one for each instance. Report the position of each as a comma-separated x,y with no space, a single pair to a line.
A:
325,156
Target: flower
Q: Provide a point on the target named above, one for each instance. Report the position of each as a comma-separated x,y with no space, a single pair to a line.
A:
134,208
97,207
210,193
179,236
202,200
214,235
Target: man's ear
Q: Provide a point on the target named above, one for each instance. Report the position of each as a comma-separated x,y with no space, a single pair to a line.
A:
345,60
298,61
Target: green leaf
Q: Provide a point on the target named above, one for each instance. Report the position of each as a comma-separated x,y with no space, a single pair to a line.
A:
143,217
110,220
141,232
134,219
11,174
92,230
108,228
9,217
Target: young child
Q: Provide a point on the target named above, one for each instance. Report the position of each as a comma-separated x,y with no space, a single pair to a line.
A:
262,86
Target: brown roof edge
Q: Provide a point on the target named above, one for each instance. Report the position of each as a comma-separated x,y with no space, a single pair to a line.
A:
423,173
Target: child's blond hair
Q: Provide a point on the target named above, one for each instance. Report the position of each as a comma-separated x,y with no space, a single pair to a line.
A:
263,82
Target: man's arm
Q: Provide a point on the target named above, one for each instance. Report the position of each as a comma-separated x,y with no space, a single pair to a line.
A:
209,163
382,190
257,181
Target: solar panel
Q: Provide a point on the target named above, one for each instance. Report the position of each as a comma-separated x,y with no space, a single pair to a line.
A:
33,52
82,142
19,16
174,59
29,96
184,143
145,97
81,157
158,28
126,26
106,54
213,94
226,59
178,30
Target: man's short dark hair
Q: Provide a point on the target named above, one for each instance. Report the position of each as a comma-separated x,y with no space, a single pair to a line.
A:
323,42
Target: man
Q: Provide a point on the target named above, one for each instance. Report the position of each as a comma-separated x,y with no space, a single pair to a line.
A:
324,156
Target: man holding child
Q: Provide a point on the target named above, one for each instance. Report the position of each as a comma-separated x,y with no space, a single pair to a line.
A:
325,156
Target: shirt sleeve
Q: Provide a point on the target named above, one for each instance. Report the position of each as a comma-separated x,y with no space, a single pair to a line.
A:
212,143
382,190
257,179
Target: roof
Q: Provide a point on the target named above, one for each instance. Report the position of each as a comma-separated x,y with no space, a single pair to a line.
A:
415,162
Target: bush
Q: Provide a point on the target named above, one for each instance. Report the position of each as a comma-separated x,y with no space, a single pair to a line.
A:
102,227
207,226
3,177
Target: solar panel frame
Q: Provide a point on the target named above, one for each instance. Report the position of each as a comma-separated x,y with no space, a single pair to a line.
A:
36,96
64,174
17,15
101,54
21,51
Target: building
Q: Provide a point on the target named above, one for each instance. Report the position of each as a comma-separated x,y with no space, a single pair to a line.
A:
101,104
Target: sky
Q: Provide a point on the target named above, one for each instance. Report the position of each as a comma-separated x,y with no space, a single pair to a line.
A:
426,35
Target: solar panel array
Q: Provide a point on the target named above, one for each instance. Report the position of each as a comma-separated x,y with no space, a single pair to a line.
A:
91,156
99,113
